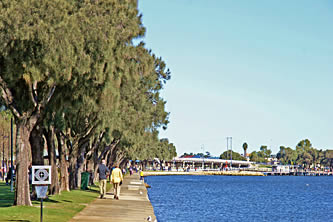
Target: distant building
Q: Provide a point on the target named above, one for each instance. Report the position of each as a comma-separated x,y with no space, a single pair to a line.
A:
273,160
281,168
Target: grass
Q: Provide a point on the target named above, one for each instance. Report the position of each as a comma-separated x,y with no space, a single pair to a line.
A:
265,166
56,208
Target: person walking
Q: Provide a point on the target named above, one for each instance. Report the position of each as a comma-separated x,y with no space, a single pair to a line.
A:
141,175
9,175
117,178
102,171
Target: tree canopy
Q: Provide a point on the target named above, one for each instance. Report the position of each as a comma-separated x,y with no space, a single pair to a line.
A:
71,75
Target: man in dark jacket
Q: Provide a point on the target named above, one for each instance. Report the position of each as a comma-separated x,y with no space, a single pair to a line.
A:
102,171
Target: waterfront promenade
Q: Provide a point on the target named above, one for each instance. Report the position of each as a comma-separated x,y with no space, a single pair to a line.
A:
133,205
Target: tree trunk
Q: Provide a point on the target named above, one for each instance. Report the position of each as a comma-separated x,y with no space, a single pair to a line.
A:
79,169
64,180
103,154
37,145
54,186
72,170
83,145
123,163
37,151
22,190
95,158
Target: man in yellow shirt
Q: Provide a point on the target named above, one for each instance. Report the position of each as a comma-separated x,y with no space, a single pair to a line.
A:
117,178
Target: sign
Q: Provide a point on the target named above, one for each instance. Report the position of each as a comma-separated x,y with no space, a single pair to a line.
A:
41,191
41,175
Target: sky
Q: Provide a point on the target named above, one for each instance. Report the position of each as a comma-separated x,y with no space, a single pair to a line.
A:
255,70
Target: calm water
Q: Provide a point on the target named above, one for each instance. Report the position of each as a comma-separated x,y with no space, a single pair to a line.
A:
228,198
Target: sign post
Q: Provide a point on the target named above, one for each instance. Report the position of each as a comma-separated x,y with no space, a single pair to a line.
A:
41,177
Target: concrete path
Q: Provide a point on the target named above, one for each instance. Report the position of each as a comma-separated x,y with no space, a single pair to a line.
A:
133,205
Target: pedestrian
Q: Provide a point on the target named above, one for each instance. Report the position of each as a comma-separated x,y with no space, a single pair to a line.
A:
9,175
141,175
117,178
30,173
102,171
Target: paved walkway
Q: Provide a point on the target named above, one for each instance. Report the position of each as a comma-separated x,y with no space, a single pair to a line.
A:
133,205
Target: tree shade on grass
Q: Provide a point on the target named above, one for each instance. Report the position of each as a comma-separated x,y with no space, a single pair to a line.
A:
56,209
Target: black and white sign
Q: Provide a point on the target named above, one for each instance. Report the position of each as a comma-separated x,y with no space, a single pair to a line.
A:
41,174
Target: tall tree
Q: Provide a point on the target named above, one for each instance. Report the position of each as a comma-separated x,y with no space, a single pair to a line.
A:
39,47
245,148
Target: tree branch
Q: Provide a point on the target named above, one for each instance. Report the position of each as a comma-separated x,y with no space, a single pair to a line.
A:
113,144
7,96
33,93
47,99
96,144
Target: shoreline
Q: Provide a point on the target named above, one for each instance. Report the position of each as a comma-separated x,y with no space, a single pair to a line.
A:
200,173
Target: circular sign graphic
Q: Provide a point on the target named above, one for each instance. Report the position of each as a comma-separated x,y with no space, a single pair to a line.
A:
41,174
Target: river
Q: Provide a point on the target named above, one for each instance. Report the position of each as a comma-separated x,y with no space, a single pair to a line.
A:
235,198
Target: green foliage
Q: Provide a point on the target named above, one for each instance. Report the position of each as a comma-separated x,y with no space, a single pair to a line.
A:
264,152
74,66
262,155
235,156
305,155
257,157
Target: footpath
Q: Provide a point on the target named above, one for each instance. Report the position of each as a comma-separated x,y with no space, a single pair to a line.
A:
133,205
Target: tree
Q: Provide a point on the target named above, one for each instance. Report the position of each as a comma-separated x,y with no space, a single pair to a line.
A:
40,42
207,154
303,153
245,148
286,155
235,156
257,157
69,70
264,153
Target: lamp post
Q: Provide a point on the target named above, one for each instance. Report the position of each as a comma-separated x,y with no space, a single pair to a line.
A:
3,155
3,162
11,154
229,144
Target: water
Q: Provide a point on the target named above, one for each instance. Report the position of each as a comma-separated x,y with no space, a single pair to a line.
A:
231,198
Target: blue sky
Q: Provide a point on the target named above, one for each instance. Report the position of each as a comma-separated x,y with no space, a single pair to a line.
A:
254,70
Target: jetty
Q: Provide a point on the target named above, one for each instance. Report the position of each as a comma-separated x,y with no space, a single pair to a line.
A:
133,205
299,173
220,173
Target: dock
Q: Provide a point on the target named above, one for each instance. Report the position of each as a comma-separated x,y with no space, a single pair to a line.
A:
133,205
220,173
238,173
299,173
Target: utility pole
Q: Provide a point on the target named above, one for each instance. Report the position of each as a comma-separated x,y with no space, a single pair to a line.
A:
203,156
3,157
11,154
231,152
229,145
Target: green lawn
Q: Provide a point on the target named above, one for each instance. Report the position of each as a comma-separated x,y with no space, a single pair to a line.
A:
57,208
